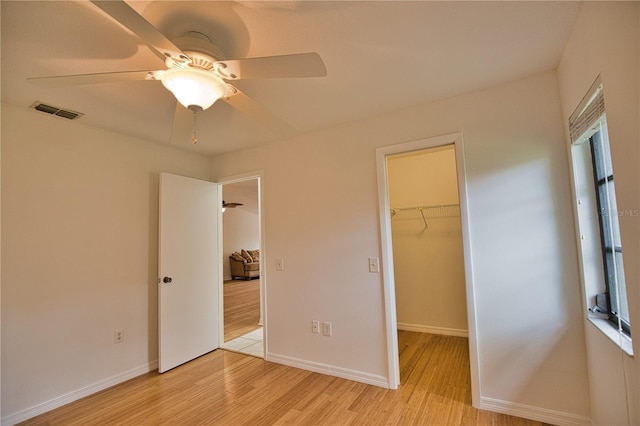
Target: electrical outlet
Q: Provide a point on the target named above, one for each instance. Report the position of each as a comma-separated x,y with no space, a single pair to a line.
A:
326,329
315,326
118,336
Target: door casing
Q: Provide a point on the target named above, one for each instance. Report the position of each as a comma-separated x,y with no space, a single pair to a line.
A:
263,255
387,254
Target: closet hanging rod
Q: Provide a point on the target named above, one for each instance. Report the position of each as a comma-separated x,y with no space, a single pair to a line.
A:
435,206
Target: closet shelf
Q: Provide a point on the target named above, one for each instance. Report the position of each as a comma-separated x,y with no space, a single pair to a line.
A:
431,211
434,206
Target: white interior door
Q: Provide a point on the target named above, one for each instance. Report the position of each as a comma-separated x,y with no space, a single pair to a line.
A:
188,269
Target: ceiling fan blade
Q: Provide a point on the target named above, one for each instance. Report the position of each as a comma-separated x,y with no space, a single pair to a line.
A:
183,125
127,16
260,114
283,66
82,79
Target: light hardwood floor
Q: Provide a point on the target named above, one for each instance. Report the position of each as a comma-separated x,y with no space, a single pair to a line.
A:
226,388
241,307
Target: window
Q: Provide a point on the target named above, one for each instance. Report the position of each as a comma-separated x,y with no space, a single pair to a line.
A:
616,293
600,241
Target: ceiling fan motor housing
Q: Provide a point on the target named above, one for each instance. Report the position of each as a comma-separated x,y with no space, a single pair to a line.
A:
199,48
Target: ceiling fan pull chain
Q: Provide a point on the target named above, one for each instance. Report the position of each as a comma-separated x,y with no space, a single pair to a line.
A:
194,138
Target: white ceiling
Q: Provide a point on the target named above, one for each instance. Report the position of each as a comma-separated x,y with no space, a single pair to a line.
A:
380,57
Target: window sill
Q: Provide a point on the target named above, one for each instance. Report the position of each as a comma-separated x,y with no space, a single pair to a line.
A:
621,340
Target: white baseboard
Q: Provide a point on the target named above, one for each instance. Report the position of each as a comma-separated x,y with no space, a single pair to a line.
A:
54,403
534,413
433,330
330,370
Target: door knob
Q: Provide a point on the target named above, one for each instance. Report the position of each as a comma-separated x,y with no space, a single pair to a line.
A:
167,280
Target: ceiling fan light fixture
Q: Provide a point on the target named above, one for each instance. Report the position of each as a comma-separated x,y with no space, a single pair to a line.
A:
194,88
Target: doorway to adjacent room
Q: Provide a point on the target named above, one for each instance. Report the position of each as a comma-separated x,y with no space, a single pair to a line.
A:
243,280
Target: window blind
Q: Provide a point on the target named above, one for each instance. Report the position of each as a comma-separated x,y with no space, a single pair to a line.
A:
586,118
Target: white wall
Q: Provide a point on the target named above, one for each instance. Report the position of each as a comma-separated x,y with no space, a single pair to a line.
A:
79,257
606,41
321,217
427,258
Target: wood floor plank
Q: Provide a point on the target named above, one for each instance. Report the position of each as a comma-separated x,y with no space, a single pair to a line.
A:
241,307
226,388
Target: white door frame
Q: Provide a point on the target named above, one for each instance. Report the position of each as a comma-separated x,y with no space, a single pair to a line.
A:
387,254
259,175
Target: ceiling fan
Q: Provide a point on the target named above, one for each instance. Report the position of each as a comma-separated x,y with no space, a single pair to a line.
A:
197,72
226,205
231,205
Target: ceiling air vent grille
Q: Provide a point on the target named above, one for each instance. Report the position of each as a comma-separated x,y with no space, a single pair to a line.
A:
64,113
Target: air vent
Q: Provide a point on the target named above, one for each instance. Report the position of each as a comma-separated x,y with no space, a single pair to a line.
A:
64,113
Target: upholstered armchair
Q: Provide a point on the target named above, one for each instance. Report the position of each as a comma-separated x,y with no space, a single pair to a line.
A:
245,264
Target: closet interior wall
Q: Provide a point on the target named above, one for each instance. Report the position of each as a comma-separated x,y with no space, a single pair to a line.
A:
427,242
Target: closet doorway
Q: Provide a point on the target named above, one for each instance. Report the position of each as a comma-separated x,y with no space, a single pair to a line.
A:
242,277
426,235
427,278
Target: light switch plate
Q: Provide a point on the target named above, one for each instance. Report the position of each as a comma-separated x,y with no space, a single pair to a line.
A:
373,264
